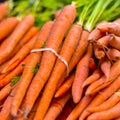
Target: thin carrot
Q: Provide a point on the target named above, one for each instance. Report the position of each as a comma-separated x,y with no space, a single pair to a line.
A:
107,114
66,53
101,97
109,103
28,74
79,108
65,86
95,76
20,55
9,44
3,75
56,107
101,83
7,26
3,65
82,72
3,10
54,41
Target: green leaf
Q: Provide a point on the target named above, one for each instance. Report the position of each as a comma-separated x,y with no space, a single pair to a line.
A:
35,70
15,80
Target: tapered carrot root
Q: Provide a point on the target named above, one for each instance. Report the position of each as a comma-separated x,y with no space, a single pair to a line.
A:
109,103
22,53
7,26
28,74
65,86
95,76
56,107
115,42
3,10
9,44
54,41
79,108
107,114
82,72
66,53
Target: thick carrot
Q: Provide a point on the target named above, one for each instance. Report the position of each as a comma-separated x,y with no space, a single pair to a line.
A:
9,44
54,41
3,75
115,42
79,108
113,54
7,26
57,13
28,74
109,103
101,83
3,65
107,114
21,54
95,76
3,10
101,97
56,107
66,53
82,72
113,28
65,86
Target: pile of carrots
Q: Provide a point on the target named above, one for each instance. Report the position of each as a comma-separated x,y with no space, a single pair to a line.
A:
60,71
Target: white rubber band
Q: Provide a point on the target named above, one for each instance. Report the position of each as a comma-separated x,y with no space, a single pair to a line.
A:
53,51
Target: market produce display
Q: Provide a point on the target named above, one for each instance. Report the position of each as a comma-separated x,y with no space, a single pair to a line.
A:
60,62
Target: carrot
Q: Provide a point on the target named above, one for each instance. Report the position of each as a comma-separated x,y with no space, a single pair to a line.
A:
7,26
13,73
57,13
79,108
113,28
102,96
21,54
9,44
96,75
82,72
66,53
105,66
3,10
3,75
54,41
115,42
109,103
107,114
101,83
28,74
65,86
3,65
113,54
56,107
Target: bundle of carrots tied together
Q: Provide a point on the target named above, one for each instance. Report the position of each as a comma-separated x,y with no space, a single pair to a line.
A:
66,70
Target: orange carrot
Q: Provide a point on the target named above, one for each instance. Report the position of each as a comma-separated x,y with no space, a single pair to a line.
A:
3,10
28,74
95,76
3,65
65,86
9,44
3,75
21,54
107,114
7,26
102,96
79,108
109,103
57,13
101,83
56,107
115,42
82,72
54,41
66,53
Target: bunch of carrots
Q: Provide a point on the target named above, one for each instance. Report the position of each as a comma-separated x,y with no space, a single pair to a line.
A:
66,70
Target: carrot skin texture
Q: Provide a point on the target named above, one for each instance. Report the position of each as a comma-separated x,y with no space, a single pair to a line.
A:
67,51
54,41
27,74
81,74
7,26
15,37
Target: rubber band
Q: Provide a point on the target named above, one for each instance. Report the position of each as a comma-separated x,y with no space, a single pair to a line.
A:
53,51
117,93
